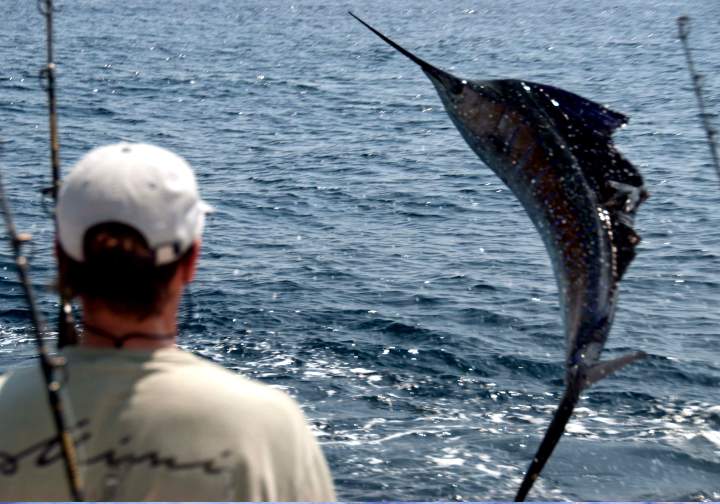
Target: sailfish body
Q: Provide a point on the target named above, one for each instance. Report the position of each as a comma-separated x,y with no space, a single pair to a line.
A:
553,149
519,129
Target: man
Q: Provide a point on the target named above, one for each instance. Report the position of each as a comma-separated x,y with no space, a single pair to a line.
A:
151,422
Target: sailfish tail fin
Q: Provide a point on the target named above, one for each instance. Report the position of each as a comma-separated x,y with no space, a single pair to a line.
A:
586,376
552,436
598,371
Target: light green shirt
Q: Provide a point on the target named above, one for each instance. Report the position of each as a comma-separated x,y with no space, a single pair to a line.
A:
160,425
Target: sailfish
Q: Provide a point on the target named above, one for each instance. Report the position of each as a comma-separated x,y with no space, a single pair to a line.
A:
554,150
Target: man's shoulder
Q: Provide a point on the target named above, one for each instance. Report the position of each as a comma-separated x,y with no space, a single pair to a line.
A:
23,396
211,385
169,383
199,371
21,379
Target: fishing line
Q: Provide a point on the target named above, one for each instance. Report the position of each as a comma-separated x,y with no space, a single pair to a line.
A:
683,23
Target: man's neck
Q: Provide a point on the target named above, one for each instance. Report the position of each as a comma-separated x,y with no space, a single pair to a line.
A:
107,329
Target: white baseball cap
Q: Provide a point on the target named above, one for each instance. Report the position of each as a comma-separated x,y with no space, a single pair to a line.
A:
143,186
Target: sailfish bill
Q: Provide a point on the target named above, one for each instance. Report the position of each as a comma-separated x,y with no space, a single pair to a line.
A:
554,150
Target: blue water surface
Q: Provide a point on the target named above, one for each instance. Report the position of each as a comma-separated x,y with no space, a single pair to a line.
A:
364,259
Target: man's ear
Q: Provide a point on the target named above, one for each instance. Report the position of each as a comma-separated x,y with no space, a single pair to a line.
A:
62,264
189,265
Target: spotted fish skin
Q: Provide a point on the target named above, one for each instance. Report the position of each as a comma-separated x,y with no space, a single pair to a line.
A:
503,123
554,150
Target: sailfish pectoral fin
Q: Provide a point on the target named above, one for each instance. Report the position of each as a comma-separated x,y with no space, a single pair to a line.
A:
598,371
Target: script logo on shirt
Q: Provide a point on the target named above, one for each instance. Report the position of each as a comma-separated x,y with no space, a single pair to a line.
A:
47,452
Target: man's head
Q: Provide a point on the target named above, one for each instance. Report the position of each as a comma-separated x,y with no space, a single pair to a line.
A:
128,215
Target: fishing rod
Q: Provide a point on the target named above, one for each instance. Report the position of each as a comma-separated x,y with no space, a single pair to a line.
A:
50,366
67,335
683,32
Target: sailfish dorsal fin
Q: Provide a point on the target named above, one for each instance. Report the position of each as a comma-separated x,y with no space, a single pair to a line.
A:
587,127
580,110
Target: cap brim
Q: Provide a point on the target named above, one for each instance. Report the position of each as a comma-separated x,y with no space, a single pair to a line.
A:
205,207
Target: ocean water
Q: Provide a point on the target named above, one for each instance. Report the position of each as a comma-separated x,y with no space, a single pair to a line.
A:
364,259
